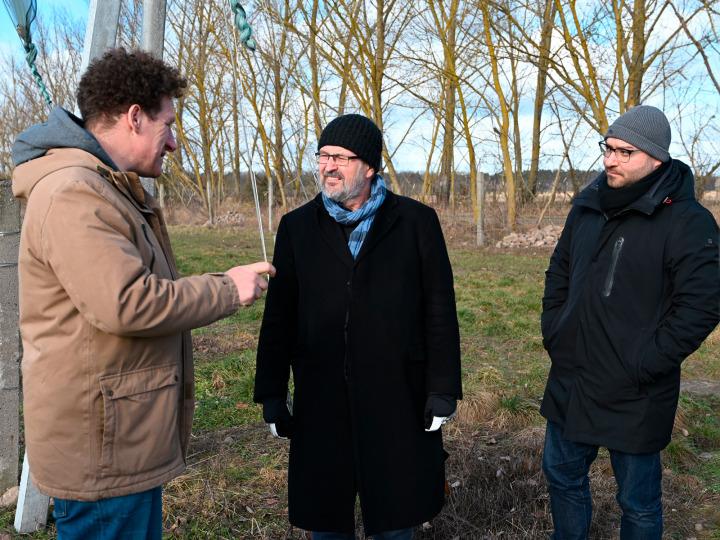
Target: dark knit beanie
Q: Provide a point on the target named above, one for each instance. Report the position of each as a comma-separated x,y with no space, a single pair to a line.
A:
646,128
358,134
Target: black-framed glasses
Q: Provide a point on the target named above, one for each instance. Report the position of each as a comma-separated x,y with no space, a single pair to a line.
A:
339,159
621,154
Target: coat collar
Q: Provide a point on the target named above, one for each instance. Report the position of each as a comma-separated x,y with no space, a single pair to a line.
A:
384,220
675,184
128,183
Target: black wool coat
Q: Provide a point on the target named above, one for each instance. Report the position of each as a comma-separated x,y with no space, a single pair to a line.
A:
627,299
367,340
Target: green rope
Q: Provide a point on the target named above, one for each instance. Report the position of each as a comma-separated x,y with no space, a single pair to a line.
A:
30,57
242,25
22,13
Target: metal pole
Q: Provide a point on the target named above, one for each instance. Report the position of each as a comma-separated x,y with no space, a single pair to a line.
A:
101,30
153,29
9,337
153,41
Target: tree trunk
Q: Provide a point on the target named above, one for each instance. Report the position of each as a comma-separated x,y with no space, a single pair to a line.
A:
540,89
636,67
447,158
504,131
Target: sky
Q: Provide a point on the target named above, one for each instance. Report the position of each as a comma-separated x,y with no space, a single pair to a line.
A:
45,8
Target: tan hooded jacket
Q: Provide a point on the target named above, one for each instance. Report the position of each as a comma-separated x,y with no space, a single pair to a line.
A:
107,365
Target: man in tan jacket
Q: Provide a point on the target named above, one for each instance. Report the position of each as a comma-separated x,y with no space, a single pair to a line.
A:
105,318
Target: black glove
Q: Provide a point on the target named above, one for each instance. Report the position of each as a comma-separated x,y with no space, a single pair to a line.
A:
276,413
442,406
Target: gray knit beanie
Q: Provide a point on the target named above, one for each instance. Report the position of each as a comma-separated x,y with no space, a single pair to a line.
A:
646,128
358,134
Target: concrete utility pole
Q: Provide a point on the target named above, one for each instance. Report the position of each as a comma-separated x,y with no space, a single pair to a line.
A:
153,41
32,505
153,28
9,337
101,30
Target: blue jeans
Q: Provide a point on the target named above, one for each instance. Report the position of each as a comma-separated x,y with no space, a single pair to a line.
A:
129,517
639,480
400,534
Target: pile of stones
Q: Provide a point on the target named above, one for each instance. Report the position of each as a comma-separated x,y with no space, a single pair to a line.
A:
535,238
231,217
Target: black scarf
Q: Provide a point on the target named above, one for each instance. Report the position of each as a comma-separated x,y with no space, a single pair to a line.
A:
612,200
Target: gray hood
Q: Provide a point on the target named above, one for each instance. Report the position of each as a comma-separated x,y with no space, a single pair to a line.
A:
62,130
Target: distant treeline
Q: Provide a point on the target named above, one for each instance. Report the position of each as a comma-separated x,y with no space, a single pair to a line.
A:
411,183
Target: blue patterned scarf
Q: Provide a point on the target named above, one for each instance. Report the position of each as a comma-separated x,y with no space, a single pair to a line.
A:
363,216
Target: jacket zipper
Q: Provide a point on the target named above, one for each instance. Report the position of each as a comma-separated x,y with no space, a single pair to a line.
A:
610,279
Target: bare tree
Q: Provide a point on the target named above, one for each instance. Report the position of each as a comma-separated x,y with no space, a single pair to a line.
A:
543,62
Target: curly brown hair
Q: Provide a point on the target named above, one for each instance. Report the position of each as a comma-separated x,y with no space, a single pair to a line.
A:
119,79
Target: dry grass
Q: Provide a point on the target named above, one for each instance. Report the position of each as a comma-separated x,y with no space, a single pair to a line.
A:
236,484
475,409
233,488
216,345
497,490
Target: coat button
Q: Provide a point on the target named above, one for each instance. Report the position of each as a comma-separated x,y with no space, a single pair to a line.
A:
176,378
110,392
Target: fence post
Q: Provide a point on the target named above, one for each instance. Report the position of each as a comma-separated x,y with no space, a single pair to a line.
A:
480,191
9,337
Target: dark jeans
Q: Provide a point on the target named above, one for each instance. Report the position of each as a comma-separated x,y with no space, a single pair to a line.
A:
400,534
129,517
639,480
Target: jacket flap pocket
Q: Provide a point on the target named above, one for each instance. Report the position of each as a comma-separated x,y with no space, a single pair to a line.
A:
139,381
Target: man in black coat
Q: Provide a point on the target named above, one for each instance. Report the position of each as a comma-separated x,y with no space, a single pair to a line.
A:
363,310
632,290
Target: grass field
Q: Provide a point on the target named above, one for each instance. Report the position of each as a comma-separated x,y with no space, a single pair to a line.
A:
235,484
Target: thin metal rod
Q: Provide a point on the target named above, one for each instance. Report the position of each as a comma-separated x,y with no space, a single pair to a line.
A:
253,180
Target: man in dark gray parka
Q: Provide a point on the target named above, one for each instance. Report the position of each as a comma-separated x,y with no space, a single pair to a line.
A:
632,290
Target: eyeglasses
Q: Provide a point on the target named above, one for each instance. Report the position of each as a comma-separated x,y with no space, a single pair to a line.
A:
621,154
340,160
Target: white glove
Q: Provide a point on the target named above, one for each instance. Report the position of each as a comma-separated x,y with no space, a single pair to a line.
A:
438,421
273,431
